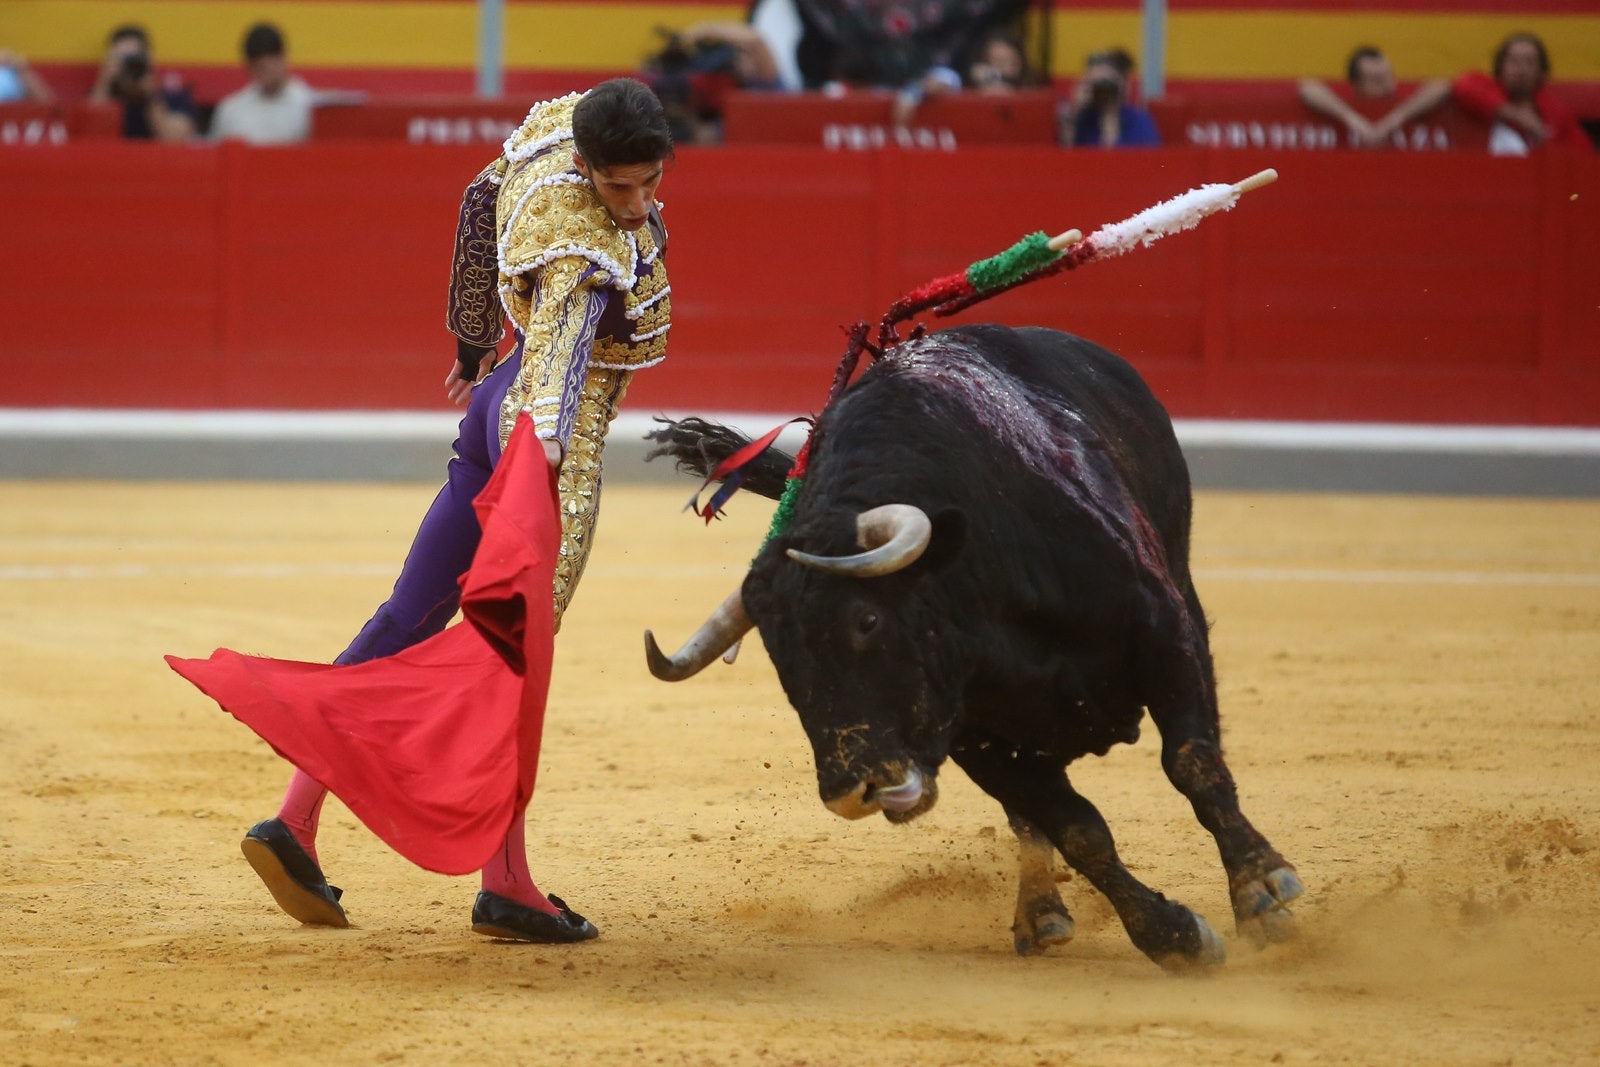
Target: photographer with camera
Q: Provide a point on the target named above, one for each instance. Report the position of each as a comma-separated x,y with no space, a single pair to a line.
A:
1101,116
997,65
152,108
699,66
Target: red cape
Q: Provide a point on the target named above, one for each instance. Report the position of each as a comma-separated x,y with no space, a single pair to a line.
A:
435,748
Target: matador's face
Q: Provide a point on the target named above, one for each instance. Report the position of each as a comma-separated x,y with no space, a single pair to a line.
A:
628,190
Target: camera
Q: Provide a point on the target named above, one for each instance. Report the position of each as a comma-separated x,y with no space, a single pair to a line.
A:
684,76
135,66
1105,91
987,77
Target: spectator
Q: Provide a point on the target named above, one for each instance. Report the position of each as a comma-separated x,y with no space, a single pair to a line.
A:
19,84
999,65
1517,104
754,63
158,108
275,108
693,75
1101,114
1369,105
886,44
780,26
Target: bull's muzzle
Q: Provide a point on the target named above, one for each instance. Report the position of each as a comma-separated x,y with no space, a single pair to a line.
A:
868,798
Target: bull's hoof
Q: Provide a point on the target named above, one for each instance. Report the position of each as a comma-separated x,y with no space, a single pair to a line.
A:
1031,934
1260,907
1206,952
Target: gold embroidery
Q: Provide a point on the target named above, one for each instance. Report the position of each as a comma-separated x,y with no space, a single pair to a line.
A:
474,314
625,352
551,222
578,481
649,285
547,212
552,336
545,120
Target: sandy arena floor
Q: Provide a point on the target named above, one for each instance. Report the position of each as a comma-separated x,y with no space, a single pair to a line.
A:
1410,691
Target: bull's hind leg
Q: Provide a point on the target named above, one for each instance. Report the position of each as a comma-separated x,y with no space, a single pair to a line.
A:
1261,882
1033,789
1041,919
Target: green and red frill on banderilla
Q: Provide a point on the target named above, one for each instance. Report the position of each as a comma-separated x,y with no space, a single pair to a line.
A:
1033,257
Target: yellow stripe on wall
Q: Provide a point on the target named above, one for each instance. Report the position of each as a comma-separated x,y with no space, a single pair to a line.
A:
601,37
567,36
1290,44
1245,44
617,36
184,31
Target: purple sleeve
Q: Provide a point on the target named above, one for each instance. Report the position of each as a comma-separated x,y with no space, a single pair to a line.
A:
474,313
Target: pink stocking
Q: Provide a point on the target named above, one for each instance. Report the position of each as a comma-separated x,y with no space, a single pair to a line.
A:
507,873
301,808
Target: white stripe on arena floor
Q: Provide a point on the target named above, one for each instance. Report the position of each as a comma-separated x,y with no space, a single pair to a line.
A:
428,426
47,572
387,446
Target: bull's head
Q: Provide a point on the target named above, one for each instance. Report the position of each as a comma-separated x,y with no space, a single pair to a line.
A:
859,648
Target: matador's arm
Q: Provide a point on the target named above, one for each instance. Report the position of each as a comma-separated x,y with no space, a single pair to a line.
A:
563,302
474,313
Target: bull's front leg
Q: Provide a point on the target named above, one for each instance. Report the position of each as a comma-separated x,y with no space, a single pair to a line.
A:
1036,790
1261,882
1041,918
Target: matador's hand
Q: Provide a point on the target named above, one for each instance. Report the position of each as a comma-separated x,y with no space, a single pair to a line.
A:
457,387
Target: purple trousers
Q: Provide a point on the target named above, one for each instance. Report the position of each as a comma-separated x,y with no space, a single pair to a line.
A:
428,591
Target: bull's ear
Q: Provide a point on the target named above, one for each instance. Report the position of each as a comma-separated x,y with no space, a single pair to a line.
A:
949,538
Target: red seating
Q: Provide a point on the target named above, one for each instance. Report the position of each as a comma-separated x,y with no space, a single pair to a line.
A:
864,120
1237,120
422,120
50,124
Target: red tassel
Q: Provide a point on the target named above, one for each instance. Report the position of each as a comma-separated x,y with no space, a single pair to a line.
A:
729,472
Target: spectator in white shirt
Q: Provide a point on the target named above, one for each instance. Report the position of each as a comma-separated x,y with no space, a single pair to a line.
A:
275,108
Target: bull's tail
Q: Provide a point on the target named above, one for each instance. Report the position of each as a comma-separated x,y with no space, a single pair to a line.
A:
697,446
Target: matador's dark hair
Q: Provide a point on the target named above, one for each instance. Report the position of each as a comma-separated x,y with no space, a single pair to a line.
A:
621,122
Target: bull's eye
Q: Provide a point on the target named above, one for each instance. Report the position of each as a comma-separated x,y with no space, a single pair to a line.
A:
867,623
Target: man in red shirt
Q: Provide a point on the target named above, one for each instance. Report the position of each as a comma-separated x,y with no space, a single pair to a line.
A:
1370,106
1517,103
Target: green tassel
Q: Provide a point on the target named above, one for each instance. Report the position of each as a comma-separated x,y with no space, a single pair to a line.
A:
1024,257
785,513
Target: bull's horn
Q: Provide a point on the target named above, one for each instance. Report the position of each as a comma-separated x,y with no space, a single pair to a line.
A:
894,536
716,635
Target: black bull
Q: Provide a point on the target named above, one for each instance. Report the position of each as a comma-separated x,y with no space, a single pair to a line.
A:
1023,597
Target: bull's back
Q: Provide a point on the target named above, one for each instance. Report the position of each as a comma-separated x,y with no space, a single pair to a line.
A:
1120,412
1040,398
1094,381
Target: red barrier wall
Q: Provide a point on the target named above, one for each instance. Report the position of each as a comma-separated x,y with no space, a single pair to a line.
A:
1436,287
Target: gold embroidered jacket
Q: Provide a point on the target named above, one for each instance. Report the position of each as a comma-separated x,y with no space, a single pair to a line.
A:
579,291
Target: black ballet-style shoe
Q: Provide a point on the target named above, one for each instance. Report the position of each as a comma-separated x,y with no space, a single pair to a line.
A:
292,876
496,916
